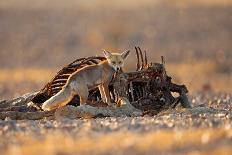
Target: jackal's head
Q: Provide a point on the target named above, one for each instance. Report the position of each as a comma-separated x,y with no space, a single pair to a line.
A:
116,60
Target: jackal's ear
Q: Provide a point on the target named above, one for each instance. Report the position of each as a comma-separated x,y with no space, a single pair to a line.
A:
107,54
125,54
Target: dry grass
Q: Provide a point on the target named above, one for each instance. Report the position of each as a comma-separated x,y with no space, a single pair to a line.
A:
50,33
15,82
197,76
20,75
201,76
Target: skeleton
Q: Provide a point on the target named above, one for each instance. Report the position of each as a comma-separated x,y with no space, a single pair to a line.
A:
148,88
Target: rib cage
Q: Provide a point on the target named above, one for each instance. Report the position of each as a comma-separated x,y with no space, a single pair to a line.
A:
59,80
141,59
148,88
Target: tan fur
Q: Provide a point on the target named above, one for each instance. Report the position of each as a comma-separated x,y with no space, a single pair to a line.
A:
81,81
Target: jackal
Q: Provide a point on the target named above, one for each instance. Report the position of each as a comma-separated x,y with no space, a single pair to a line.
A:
87,78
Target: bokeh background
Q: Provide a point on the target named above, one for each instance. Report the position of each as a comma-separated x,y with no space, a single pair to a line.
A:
37,38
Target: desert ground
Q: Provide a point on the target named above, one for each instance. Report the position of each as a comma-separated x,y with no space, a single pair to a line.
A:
37,38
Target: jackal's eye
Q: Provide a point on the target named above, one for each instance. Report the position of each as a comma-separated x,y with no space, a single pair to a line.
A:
113,62
120,62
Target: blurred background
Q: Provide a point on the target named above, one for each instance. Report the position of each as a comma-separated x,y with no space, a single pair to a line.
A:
37,38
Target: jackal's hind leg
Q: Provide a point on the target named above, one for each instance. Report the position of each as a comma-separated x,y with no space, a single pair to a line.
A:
83,93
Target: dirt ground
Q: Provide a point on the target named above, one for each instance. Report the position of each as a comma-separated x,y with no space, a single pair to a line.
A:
201,130
194,37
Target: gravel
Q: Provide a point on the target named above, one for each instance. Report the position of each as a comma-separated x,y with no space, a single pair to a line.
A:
212,112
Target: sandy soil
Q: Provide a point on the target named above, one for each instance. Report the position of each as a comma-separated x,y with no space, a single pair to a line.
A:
198,131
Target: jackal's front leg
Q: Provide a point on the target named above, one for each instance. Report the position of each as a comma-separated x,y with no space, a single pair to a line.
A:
105,93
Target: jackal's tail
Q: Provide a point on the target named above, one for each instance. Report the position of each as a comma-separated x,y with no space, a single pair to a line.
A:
60,99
